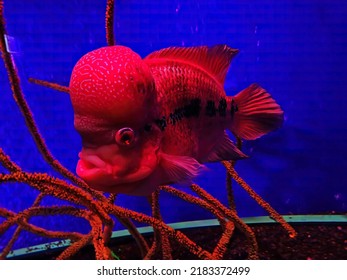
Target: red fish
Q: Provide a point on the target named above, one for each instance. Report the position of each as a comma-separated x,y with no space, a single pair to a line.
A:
154,121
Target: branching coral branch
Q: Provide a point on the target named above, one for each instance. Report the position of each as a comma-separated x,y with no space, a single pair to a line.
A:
49,85
70,251
162,227
6,162
222,246
100,211
26,112
253,248
140,240
58,188
159,239
109,23
272,212
16,234
21,218
230,192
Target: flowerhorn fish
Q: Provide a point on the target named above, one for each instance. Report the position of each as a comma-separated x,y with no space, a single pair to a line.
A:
154,121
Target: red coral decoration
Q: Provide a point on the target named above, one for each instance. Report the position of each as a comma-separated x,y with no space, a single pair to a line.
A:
100,211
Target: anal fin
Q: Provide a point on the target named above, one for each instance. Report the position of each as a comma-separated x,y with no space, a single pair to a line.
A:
225,149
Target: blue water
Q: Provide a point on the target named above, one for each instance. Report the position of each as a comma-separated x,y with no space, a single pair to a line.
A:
297,50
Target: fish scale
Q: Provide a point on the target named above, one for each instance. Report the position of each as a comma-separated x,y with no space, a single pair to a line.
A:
177,84
155,121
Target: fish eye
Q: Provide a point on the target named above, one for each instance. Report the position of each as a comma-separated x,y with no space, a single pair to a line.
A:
125,136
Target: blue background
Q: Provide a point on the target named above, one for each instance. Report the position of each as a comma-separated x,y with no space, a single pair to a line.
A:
297,50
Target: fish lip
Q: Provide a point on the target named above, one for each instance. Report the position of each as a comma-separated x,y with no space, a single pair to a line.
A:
91,166
142,173
101,168
92,159
87,172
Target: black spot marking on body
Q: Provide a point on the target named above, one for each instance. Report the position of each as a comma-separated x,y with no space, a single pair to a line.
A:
234,108
222,107
162,123
192,109
176,116
211,110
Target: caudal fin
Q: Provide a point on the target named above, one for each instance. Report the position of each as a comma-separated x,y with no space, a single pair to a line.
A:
257,113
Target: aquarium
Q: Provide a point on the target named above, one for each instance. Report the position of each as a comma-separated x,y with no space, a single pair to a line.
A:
296,50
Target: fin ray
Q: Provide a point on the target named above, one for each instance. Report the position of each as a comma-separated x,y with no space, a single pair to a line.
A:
214,60
180,169
225,149
258,113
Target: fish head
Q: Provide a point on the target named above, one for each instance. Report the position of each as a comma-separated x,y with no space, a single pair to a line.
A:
115,107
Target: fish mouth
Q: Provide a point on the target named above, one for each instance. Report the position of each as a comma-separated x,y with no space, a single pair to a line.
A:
102,176
91,166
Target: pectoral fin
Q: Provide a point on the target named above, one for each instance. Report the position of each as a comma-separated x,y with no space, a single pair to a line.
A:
180,169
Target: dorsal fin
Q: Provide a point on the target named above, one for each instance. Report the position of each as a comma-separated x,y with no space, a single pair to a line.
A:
215,60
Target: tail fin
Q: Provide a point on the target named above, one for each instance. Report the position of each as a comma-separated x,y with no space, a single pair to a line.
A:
257,113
